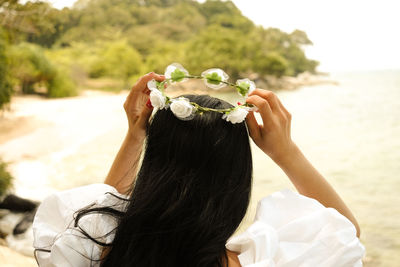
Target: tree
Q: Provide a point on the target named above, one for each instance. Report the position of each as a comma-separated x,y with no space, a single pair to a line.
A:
300,38
270,63
154,33
32,70
286,46
226,48
5,178
30,66
118,59
5,84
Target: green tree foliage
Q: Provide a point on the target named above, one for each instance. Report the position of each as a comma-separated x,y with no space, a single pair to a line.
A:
61,85
35,21
287,48
271,63
124,38
117,59
29,66
5,178
219,46
31,70
5,84
164,54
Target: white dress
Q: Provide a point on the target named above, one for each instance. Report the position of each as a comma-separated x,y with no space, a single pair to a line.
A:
289,230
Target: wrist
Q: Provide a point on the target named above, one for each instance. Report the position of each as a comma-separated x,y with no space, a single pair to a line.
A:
135,136
291,154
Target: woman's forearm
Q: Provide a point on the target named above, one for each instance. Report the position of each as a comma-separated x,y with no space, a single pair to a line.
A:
138,109
124,168
309,182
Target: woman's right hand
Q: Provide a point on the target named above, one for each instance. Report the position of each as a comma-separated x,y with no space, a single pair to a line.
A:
273,136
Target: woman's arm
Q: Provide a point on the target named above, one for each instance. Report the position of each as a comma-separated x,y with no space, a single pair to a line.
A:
138,110
274,138
124,168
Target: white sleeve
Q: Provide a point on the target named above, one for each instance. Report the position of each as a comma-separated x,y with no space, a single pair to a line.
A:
58,241
293,230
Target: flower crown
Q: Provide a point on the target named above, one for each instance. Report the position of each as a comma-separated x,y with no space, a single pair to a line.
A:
183,109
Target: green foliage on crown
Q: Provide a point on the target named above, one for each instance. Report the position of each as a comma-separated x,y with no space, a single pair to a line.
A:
177,75
243,88
213,78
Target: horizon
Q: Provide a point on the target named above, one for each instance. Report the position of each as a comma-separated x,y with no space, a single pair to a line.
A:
335,21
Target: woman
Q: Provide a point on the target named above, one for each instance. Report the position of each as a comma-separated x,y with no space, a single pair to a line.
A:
190,193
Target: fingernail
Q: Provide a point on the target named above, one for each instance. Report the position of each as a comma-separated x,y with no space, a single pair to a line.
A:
148,104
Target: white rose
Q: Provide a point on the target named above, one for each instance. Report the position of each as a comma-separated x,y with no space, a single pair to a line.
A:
236,116
152,85
171,68
222,75
252,85
181,108
157,99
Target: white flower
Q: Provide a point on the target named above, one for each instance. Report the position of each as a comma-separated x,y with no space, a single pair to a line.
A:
152,85
157,99
213,78
246,87
175,71
182,108
237,115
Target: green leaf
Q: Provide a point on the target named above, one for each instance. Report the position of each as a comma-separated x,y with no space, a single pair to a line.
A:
160,85
213,78
243,88
177,75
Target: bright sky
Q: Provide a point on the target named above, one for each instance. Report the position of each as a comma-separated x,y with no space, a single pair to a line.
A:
347,34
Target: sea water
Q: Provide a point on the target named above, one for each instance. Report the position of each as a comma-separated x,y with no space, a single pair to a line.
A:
351,133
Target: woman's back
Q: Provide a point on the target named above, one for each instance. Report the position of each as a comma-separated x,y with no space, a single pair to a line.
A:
191,192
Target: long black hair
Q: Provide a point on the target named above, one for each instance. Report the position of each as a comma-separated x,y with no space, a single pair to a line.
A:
190,195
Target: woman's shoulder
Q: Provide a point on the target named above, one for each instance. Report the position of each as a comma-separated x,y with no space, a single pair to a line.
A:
55,233
294,230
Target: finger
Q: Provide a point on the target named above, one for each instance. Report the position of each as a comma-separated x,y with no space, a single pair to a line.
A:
252,125
149,76
158,78
263,107
141,84
145,116
269,96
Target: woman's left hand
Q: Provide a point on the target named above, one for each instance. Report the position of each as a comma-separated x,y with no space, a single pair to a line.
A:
138,107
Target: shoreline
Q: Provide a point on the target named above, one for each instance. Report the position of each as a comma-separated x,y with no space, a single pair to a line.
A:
267,82
292,82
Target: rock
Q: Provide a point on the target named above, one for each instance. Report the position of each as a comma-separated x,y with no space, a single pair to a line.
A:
17,204
22,243
24,223
16,217
8,222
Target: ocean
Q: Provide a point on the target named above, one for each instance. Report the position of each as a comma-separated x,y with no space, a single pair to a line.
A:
351,134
